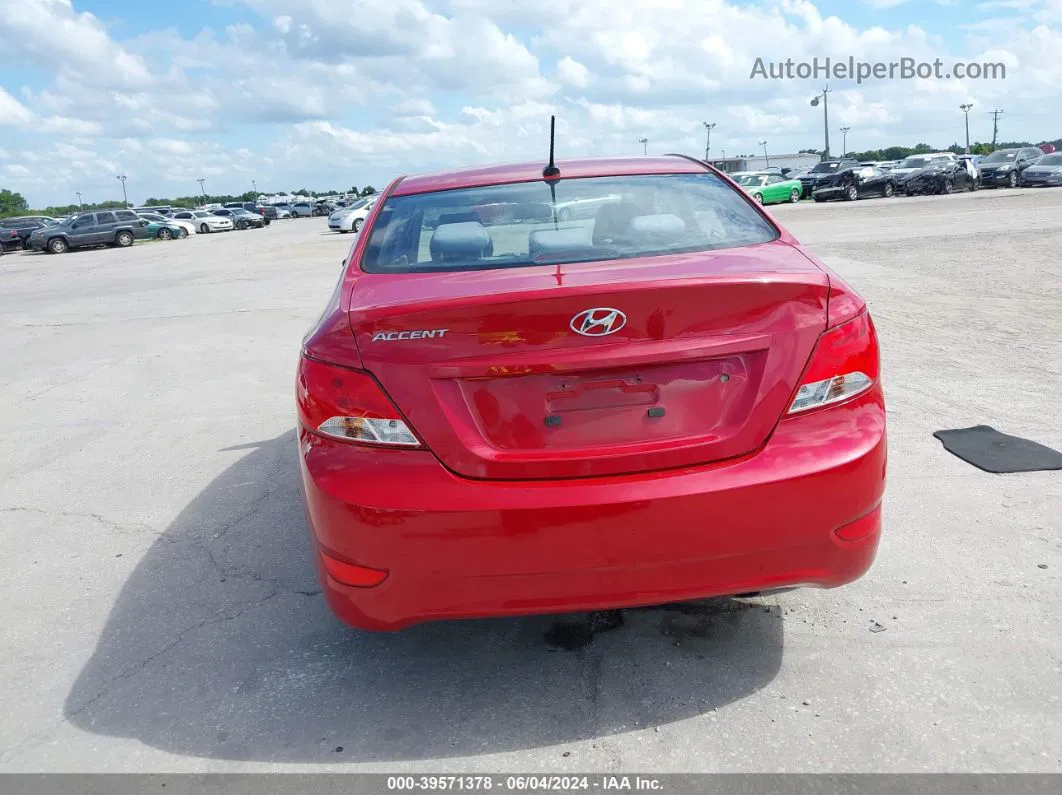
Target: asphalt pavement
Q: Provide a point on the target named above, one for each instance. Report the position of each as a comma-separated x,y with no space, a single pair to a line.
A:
159,611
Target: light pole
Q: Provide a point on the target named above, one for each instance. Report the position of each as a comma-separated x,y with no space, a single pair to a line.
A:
965,108
765,155
708,143
80,206
645,145
255,186
125,198
201,189
825,118
844,140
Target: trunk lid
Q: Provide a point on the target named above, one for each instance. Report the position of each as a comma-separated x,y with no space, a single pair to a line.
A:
492,372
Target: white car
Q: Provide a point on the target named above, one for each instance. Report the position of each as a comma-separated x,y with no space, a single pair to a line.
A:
350,219
187,226
204,221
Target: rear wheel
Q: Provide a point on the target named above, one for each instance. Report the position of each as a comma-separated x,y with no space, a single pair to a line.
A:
357,225
947,187
818,198
888,190
794,196
125,239
850,193
165,234
57,246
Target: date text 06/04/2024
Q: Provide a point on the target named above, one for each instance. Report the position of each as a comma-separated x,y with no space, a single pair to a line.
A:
524,783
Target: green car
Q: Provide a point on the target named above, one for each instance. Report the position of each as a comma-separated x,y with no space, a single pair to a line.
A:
165,231
770,188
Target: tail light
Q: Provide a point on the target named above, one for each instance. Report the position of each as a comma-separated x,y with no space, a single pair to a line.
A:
347,404
844,364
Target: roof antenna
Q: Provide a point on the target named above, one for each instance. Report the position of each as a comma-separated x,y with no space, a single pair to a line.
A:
551,170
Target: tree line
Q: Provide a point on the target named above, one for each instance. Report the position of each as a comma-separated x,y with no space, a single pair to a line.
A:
12,203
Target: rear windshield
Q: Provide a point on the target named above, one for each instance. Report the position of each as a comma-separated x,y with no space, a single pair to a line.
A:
582,220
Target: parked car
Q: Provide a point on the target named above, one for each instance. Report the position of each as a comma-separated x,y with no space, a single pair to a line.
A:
943,176
1046,171
350,218
205,221
23,226
104,228
164,230
241,218
185,224
250,207
404,416
859,182
915,163
10,240
1004,167
268,212
301,210
823,171
323,208
771,188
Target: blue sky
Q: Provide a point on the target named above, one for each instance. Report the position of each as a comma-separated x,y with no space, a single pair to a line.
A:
334,93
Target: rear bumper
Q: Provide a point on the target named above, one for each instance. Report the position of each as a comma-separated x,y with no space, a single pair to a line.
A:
460,548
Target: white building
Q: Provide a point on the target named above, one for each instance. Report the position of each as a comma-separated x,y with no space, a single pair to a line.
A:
759,162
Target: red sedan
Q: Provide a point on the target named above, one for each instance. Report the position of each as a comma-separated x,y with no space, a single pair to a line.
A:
664,399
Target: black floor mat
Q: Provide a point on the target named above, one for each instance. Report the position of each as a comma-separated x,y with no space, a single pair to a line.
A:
988,449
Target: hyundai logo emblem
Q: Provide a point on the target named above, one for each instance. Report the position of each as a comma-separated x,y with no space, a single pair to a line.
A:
598,322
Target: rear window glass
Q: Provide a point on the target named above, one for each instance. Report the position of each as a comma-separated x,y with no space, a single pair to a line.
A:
582,220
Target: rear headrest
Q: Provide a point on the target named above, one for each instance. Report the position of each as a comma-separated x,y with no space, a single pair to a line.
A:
543,242
659,224
461,241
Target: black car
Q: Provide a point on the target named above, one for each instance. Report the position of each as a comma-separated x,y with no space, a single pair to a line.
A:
945,176
823,171
9,239
851,183
1004,167
23,226
241,218
104,228
1045,171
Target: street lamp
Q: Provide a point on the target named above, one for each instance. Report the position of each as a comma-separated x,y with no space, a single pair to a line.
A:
844,140
80,206
765,155
825,118
125,198
708,143
201,189
645,145
255,186
965,108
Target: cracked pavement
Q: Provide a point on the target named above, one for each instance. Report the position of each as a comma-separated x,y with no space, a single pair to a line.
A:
161,613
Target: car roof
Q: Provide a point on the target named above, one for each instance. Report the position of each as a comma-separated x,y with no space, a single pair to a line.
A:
506,173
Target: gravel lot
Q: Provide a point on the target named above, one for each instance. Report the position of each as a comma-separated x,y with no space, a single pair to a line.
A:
159,611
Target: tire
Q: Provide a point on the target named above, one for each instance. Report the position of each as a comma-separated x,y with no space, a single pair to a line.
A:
182,233
204,229
241,225
976,185
124,239
1012,179
794,196
758,197
356,227
164,234
818,198
564,214
851,193
57,246
947,187
888,190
